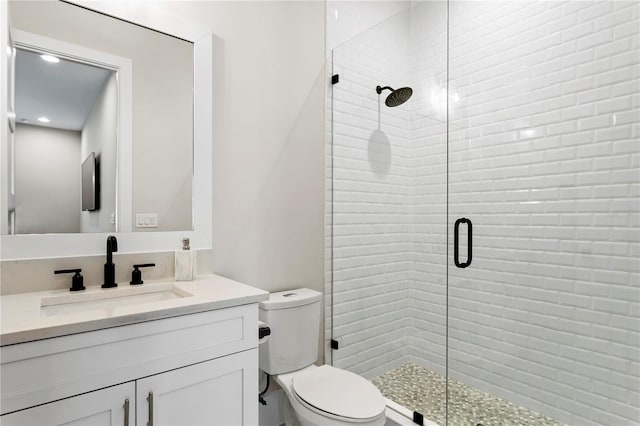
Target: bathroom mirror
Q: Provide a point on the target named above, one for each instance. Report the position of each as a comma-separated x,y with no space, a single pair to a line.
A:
159,103
140,175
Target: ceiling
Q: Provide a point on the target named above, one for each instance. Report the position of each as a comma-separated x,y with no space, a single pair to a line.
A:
64,92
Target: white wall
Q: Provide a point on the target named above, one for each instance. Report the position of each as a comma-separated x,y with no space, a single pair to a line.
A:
47,180
268,148
99,135
544,159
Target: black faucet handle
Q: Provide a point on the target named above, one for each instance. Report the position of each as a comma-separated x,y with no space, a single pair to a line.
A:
77,281
67,271
136,274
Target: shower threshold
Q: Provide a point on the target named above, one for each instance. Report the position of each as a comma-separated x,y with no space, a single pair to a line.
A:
422,390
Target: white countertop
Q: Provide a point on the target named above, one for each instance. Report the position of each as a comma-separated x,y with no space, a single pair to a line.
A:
23,319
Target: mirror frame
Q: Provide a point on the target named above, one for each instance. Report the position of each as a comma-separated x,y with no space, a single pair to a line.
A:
32,246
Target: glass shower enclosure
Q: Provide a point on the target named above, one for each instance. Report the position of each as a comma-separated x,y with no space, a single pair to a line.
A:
483,235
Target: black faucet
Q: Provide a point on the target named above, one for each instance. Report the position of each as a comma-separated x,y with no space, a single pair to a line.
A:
109,267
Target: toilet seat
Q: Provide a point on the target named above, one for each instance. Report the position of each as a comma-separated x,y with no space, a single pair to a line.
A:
339,394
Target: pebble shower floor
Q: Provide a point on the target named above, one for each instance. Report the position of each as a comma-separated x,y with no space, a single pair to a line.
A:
423,390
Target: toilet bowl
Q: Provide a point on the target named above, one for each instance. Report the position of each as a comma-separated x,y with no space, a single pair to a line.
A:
323,395
330,396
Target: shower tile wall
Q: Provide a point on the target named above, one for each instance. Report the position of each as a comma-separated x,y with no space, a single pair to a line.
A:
428,164
544,158
372,211
344,21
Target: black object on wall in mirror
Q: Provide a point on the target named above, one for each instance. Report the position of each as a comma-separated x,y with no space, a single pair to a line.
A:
91,183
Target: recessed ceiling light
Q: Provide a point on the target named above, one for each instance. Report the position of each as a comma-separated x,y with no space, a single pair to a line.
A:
43,119
24,120
50,58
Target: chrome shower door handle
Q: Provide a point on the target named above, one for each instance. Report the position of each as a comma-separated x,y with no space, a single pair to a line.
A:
456,231
150,399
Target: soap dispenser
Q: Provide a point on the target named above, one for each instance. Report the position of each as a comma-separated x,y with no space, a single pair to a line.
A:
185,262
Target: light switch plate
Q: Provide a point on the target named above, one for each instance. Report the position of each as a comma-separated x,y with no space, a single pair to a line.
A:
146,220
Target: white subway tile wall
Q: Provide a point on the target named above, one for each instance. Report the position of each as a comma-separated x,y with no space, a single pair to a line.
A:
427,295
371,202
544,158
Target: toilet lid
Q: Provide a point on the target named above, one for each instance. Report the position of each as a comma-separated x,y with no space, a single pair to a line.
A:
339,392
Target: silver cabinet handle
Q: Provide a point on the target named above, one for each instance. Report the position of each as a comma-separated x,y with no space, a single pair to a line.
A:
126,412
150,399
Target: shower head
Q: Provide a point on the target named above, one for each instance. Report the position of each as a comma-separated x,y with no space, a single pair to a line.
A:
396,97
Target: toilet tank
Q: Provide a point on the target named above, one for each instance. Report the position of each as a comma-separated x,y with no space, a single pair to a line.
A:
294,319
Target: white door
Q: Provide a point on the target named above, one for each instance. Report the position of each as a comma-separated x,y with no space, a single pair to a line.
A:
107,407
222,391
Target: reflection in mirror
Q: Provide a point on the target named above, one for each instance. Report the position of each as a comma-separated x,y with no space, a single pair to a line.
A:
156,177
158,155
65,111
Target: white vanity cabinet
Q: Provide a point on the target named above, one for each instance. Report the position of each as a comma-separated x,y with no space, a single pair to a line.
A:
196,369
210,393
106,407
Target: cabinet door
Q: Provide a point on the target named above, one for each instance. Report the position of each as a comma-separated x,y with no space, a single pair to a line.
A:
106,407
223,391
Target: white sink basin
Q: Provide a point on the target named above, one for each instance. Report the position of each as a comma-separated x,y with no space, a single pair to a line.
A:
109,298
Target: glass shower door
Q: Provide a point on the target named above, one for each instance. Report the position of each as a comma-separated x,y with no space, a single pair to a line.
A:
543,168
485,233
388,209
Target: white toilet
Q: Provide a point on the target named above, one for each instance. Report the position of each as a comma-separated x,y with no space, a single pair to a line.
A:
322,395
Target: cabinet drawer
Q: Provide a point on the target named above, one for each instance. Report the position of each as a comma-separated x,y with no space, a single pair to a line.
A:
46,370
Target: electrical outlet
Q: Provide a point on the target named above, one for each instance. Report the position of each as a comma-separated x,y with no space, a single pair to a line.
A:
146,220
